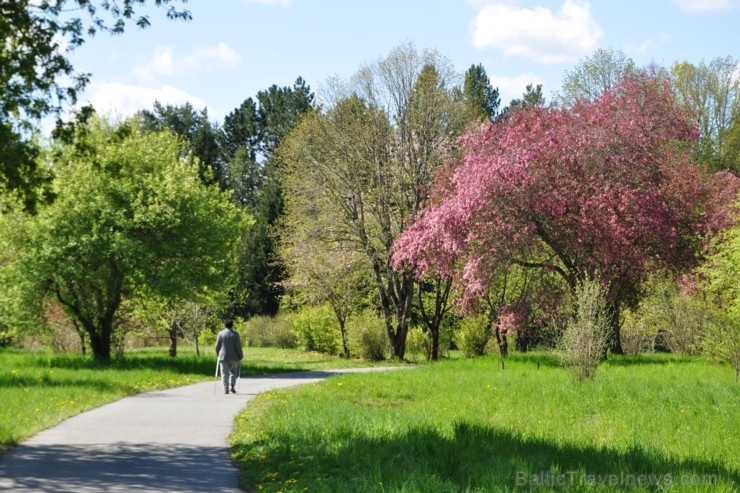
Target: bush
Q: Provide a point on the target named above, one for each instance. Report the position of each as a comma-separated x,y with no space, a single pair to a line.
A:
275,331
317,329
584,341
635,335
368,338
472,336
417,344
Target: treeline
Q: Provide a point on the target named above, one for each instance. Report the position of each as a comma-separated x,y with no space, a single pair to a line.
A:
409,193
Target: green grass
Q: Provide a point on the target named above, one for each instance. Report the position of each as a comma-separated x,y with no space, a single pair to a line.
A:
468,425
40,390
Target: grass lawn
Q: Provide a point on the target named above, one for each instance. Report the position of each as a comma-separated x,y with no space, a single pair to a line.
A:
650,423
40,390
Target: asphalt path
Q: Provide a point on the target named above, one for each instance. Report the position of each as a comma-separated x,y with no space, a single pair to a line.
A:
164,441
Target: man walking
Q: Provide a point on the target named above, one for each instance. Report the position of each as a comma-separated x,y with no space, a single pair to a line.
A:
229,351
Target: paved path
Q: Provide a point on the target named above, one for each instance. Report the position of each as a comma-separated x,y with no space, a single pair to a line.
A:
165,441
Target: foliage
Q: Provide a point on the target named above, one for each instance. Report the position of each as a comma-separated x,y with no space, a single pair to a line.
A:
417,344
37,77
249,138
478,94
316,329
604,186
595,75
357,172
584,341
711,93
464,425
199,134
367,336
130,218
472,336
270,331
721,273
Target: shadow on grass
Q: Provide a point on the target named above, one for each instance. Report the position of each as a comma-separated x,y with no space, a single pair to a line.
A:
474,458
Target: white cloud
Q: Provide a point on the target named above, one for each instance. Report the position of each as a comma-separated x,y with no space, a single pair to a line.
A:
539,33
164,62
114,99
695,6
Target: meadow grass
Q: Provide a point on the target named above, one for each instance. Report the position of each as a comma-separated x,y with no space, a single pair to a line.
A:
40,390
649,423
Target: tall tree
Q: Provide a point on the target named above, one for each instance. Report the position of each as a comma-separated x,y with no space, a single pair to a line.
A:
200,135
711,92
372,155
595,75
36,75
479,95
258,129
600,189
129,216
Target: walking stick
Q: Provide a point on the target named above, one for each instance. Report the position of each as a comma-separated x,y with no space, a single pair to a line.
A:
218,367
238,375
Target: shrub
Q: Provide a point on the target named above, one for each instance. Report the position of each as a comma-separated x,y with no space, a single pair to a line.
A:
368,338
721,339
636,336
316,328
263,331
472,336
417,344
584,341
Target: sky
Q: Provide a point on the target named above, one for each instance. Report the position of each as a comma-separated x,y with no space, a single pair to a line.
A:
232,49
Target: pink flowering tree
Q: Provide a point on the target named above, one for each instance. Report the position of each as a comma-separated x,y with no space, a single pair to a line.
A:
603,189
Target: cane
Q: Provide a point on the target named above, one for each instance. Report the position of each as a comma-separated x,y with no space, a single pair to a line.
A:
238,375
218,367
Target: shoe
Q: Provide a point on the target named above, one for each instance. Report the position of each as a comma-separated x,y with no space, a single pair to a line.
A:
233,390
226,391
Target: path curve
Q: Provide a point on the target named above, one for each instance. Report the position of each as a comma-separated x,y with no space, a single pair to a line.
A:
163,441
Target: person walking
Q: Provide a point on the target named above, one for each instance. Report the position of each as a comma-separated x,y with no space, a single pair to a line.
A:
229,352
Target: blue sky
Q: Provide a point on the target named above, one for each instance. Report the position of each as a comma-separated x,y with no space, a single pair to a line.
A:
234,48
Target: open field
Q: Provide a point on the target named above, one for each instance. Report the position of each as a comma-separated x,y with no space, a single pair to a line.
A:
650,423
40,390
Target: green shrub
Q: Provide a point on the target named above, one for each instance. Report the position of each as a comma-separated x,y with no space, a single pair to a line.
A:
275,331
584,341
368,338
417,344
317,329
7,335
472,336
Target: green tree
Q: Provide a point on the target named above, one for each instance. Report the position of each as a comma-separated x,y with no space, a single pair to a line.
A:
130,217
249,137
721,340
711,92
368,161
594,75
479,95
37,77
200,135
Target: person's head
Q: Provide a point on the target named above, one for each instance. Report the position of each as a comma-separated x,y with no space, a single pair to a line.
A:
229,324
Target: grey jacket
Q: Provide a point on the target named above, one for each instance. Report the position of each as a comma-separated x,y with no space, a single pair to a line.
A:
229,346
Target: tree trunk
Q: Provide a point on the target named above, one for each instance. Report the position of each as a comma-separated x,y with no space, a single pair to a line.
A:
172,331
100,342
503,343
434,350
615,339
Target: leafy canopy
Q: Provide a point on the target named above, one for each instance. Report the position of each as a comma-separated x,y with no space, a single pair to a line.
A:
601,188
